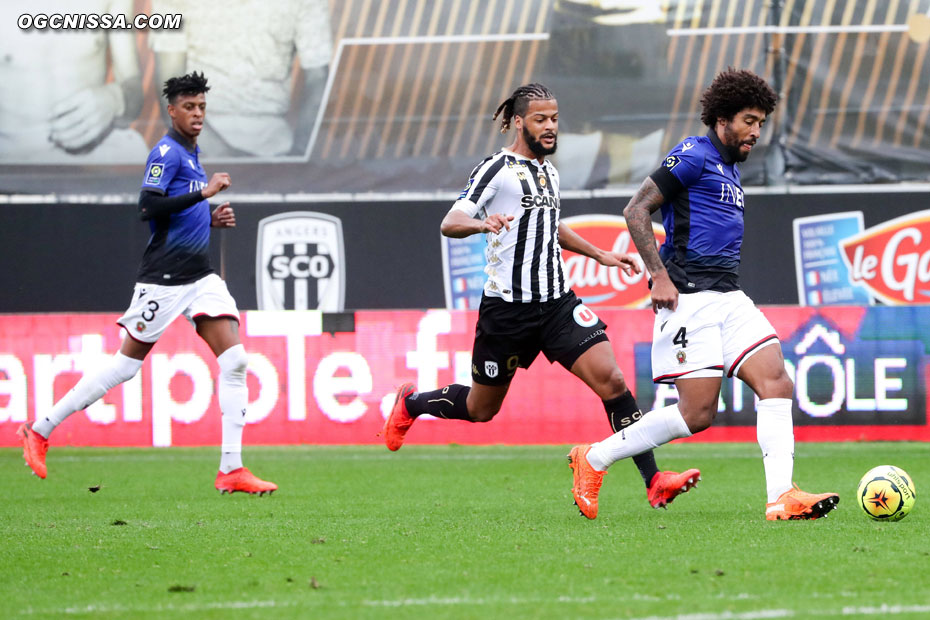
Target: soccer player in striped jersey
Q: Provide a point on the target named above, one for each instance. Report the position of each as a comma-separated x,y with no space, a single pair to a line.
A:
705,325
174,279
512,198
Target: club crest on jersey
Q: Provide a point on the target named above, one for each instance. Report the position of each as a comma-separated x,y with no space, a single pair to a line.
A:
140,327
682,357
490,369
154,173
300,262
584,316
542,179
671,161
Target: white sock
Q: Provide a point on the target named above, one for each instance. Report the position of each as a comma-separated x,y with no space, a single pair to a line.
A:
231,460
233,397
651,431
91,387
775,432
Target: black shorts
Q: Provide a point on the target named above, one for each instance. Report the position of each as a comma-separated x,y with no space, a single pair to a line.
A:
509,335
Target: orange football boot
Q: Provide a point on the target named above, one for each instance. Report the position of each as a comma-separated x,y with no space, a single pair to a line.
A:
796,504
586,481
34,448
243,480
667,485
399,422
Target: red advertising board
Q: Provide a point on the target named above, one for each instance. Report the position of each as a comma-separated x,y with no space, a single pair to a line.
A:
861,373
601,286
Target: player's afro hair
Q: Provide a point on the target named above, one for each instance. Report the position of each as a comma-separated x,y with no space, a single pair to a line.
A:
518,102
191,84
734,90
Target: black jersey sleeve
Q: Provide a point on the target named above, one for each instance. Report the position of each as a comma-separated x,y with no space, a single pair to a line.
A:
154,204
667,183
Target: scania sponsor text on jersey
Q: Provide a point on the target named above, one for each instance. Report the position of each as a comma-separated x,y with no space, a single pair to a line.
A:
549,202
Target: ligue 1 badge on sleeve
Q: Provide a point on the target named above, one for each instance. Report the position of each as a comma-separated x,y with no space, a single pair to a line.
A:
300,262
154,174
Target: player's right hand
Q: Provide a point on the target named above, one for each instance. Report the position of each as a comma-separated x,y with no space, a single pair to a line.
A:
218,182
664,294
496,222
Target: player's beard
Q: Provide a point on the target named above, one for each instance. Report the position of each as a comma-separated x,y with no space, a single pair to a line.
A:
732,143
536,146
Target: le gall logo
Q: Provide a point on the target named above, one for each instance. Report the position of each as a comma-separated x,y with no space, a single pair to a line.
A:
892,259
604,286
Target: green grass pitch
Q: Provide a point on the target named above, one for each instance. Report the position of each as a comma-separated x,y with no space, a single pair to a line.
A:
450,532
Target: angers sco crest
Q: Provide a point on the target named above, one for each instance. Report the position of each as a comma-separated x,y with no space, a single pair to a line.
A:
300,262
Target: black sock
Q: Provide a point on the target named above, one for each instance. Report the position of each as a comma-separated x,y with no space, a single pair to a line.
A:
447,402
621,412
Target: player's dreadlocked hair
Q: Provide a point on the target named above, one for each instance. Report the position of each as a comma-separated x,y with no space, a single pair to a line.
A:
734,90
191,84
518,102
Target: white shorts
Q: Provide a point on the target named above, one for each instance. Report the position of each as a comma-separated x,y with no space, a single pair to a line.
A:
709,333
154,307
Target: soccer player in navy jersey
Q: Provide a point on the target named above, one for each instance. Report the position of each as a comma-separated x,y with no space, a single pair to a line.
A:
174,279
705,325
512,197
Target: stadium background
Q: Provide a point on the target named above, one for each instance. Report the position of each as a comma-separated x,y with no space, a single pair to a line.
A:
836,226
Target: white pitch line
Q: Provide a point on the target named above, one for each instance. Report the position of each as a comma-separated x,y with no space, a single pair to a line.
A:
757,614
727,615
761,614
882,610
189,607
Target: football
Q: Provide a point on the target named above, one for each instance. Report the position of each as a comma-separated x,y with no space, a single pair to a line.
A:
886,493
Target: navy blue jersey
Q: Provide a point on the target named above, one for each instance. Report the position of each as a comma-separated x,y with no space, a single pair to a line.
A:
702,215
178,250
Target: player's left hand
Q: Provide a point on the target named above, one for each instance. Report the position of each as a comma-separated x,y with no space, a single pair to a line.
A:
624,261
223,217
79,120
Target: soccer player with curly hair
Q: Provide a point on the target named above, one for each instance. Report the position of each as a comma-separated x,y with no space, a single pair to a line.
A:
705,326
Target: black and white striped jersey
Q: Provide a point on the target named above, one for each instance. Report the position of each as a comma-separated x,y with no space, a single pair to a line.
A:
525,262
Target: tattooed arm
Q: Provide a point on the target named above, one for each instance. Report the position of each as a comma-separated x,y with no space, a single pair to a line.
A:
638,214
